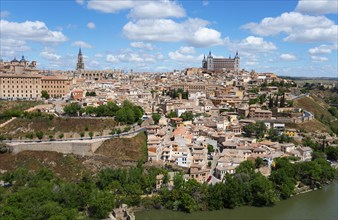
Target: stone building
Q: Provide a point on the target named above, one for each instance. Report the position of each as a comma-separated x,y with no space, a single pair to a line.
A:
56,86
21,80
91,74
18,66
221,64
20,86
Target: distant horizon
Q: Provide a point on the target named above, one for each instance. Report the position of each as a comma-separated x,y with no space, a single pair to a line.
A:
296,38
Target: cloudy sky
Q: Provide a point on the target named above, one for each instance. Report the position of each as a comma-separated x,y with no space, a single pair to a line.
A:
288,37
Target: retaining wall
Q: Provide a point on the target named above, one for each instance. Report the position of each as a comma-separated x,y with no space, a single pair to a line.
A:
82,148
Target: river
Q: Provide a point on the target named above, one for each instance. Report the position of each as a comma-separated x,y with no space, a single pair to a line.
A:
320,204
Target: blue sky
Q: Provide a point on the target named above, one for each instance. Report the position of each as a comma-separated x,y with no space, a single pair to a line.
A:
287,37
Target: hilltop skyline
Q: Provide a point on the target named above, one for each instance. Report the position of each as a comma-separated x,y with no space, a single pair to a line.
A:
294,38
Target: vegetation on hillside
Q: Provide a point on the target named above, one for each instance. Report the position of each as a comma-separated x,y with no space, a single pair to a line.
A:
94,196
10,109
320,110
126,113
34,121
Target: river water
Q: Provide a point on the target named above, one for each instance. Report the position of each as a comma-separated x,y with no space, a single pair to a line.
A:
320,204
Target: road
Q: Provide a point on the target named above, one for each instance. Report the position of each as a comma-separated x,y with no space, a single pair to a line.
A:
80,139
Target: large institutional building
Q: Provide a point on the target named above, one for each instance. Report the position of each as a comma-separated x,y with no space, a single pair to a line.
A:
21,80
220,64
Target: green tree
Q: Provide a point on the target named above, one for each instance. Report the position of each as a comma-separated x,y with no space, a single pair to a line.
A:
156,117
61,136
39,134
210,148
187,116
82,134
282,101
276,101
44,94
263,193
270,102
100,204
246,167
91,134
332,153
172,114
29,135
72,109
259,162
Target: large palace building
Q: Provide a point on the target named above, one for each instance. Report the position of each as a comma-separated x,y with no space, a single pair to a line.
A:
221,64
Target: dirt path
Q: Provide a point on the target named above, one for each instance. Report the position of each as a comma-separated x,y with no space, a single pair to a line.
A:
7,122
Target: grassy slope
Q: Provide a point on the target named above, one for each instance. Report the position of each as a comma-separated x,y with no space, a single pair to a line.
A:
73,167
124,148
21,126
319,108
17,105
66,166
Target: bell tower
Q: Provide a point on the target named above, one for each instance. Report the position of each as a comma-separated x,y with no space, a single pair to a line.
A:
80,64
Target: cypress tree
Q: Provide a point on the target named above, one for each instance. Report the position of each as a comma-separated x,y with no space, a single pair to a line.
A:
276,101
282,101
270,102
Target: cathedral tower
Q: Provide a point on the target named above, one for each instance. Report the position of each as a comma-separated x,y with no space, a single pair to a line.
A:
80,64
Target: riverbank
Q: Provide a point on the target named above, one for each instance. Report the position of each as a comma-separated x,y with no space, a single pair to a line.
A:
317,204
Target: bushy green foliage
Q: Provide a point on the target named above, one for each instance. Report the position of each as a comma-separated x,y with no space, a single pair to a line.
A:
172,114
187,116
176,93
44,94
91,93
128,113
72,109
41,195
156,117
255,129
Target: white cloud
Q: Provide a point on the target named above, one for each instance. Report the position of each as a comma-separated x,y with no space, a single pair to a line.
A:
4,14
30,31
322,49
205,37
9,47
98,55
319,59
130,56
142,45
185,55
251,63
297,27
251,45
80,2
157,9
205,3
192,31
81,44
317,7
49,54
91,25
140,9
111,6
187,50
287,57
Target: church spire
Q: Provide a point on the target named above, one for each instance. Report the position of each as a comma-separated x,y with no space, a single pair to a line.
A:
80,64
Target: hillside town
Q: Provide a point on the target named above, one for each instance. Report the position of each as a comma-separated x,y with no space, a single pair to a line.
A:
205,121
